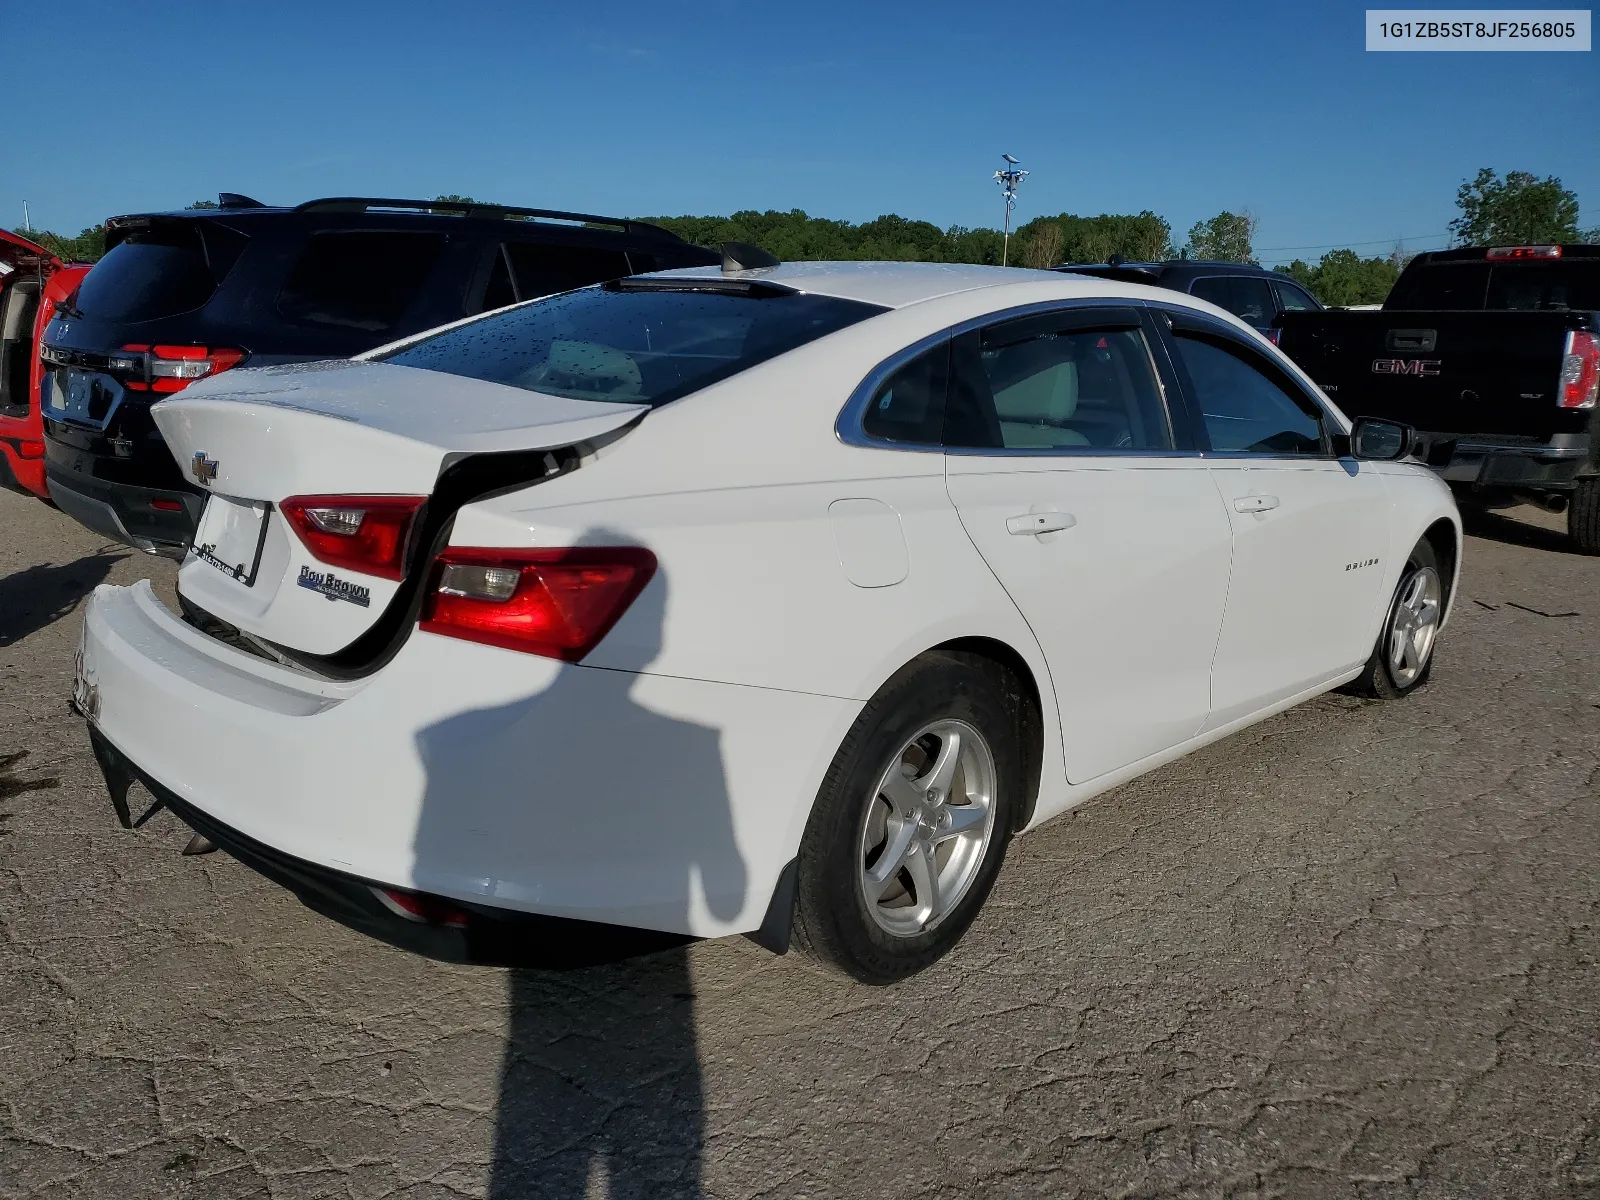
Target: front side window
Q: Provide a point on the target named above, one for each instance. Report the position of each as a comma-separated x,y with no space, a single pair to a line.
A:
362,280
1027,387
1245,409
632,344
1295,300
1245,296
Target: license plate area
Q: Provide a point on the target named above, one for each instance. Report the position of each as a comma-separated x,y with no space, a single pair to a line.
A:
231,536
85,397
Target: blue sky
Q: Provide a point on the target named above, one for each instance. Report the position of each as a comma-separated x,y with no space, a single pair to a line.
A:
844,110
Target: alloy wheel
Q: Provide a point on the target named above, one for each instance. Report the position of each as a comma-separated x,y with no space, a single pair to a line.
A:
1413,625
926,827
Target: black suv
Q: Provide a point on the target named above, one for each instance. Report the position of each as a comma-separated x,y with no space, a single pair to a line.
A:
183,295
1253,294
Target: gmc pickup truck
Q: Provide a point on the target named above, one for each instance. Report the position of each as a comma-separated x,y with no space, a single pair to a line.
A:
1493,356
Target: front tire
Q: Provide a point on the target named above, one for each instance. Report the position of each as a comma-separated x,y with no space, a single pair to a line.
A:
1402,660
910,826
1583,516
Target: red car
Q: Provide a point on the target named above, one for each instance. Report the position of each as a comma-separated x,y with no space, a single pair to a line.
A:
32,280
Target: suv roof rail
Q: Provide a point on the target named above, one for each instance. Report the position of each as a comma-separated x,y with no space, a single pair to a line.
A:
492,212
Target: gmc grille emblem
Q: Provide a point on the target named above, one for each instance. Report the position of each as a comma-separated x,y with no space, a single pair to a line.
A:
202,468
1406,366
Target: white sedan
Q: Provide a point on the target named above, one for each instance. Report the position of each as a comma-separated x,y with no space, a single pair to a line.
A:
769,601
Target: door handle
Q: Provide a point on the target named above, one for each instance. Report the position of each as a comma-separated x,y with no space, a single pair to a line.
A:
1041,522
1254,504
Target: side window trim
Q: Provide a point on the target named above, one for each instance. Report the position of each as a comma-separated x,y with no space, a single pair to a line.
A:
1178,319
848,426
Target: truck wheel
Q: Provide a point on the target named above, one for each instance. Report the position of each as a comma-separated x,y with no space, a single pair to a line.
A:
911,824
1403,658
1583,516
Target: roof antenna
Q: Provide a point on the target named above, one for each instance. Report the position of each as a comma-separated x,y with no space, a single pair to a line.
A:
742,256
1116,260
235,200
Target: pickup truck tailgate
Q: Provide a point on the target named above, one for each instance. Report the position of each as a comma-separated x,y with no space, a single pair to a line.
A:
1477,373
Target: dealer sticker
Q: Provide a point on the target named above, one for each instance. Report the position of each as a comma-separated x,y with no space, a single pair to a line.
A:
330,585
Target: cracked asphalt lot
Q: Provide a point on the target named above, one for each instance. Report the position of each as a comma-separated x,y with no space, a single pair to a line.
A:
1350,952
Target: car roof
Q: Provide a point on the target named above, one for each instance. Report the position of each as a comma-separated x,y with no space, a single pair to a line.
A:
1177,267
887,284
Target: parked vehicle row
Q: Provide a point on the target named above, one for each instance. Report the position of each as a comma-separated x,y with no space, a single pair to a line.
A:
1494,356
1256,296
187,295
762,598
32,282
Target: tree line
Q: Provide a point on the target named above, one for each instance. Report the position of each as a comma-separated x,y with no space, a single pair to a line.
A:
1517,209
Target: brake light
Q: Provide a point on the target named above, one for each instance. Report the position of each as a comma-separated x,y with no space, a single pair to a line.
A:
1275,336
173,368
558,603
360,533
1580,371
1524,252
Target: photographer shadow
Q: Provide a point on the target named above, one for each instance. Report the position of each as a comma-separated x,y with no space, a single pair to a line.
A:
600,1088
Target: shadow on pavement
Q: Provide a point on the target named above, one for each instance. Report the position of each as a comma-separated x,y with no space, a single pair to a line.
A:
583,796
1498,528
38,596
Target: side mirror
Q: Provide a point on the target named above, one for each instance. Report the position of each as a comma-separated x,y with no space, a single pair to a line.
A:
1381,441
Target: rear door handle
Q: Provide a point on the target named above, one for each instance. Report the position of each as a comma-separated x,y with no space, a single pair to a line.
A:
1255,504
1042,522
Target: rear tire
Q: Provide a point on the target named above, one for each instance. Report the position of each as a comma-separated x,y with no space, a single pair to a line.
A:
910,826
1583,516
1402,660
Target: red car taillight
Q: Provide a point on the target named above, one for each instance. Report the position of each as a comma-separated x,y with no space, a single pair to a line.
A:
360,533
1580,371
173,368
557,603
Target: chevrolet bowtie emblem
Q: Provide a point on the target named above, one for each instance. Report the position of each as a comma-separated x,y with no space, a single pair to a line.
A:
202,468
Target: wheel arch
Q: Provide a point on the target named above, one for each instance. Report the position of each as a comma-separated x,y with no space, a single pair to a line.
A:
1445,539
1031,711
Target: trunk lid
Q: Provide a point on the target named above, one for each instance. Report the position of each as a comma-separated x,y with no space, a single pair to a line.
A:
254,438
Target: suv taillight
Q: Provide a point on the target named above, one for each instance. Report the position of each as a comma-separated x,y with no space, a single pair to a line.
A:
360,533
557,603
173,368
1580,371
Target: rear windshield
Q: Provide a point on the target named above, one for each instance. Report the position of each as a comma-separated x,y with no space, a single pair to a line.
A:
171,268
1519,286
359,280
628,345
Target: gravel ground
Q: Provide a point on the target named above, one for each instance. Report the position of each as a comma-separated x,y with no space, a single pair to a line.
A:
1349,952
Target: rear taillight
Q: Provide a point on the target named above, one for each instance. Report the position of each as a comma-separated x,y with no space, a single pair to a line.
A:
1275,336
1524,252
555,603
173,368
1580,371
360,533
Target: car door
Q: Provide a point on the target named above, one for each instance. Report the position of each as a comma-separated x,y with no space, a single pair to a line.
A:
1098,518
1310,530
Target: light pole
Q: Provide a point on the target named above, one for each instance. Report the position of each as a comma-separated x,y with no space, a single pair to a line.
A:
1008,179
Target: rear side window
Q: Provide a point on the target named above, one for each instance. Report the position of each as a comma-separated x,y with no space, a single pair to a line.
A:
1074,389
541,269
908,407
634,345
173,267
1245,296
358,280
